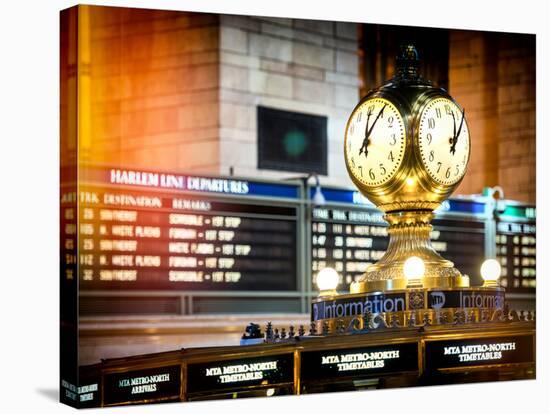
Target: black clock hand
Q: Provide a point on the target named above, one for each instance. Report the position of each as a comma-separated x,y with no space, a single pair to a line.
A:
377,116
454,127
366,139
455,139
452,139
369,130
461,123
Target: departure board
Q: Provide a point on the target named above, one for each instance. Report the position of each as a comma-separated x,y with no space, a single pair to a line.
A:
349,240
143,239
516,248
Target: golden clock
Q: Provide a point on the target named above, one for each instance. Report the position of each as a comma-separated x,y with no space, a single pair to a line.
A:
444,141
374,143
406,148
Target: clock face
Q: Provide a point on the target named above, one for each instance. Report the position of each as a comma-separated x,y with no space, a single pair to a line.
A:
374,142
444,141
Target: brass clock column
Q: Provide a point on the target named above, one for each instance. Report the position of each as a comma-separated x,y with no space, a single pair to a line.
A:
407,146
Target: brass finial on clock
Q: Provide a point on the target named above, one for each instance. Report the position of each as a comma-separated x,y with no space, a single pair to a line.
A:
407,146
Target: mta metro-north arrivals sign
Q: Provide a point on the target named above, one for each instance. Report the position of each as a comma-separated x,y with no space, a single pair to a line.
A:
163,383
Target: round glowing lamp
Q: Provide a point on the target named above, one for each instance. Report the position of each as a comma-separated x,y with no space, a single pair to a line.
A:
327,281
490,272
414,269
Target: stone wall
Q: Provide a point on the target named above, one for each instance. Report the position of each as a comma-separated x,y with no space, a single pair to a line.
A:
493,77
154,86
289,64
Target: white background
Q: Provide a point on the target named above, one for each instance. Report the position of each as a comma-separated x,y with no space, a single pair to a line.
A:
29,141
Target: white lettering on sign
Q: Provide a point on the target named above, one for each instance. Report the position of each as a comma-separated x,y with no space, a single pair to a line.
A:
145,384
479,300
87,388
365,217
360,361
483,352
374,304
131,200
134,178
118,275
186,219
180,182
182,204
217,185
185,276
241,372
117,215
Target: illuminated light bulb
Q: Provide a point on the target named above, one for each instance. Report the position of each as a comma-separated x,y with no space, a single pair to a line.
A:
327,280
410,181
490,272
270,392
414,269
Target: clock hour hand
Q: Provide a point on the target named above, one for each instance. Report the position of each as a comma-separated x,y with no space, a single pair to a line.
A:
369,131
457,134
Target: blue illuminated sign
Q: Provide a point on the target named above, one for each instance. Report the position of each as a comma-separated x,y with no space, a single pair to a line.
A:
178,182
356,198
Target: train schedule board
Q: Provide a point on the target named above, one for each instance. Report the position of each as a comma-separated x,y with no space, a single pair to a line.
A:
349,233
516,244
152,230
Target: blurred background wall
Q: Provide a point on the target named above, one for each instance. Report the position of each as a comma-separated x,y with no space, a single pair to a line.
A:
181,90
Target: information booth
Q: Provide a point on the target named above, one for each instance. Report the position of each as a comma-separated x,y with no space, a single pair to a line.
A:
361,358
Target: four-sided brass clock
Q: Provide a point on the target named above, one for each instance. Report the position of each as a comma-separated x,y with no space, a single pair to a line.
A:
407,146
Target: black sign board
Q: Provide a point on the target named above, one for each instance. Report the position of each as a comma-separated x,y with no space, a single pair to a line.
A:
466,298
155,384
461,241
479,352
292,141
347,240
236,373
350,240
516,251
365,361
88,395
356,305
131,239
342,307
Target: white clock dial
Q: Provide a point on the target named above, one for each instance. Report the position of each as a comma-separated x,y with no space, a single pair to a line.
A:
374,142
444,141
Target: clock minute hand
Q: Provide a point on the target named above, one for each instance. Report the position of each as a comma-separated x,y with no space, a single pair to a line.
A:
455,139
366,139
369,131
454,126
461,123
452,140
376,119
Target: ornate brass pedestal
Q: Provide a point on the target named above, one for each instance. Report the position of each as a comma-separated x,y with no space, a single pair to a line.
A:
409,233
